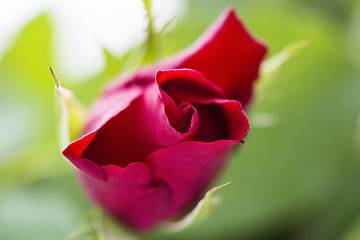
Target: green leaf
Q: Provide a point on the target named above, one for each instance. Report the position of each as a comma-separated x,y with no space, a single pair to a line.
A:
24,62
271,66
72,113
27,96
114,64
199,213
268,74
84,232
165,27
101,226
31,164
112,67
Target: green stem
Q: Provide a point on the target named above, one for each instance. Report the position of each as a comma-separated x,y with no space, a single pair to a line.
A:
150,53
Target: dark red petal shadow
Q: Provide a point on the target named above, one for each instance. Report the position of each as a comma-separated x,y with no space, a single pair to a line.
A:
187,86
221,119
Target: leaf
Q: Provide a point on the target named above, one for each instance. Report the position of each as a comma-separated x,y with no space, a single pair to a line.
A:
101,226
112,67
72,114
85,232
271,66
25,60
31,164
26,94
199,213
274,63
165,27
114,64
109,229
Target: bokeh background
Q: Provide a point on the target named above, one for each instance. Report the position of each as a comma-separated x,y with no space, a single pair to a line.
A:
296,177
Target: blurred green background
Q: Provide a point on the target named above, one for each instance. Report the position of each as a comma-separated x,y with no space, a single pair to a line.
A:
296,177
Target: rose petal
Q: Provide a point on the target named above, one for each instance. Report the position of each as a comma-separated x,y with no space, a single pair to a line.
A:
74,153
237,120
106,108
221,119
130,194
150,151
165,112
187,86
180,87
119,141
226,54
129,136
181,118
190,173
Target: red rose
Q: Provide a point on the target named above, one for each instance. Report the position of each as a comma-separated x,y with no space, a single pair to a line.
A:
158,137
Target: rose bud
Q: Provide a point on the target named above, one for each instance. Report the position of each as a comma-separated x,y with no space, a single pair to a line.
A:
158,136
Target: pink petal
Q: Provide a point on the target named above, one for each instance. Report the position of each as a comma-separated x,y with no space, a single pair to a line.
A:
188,168
182,118
74,153
119,141
150,151
226,54
106,108
130,194
129,136
236,119
221,119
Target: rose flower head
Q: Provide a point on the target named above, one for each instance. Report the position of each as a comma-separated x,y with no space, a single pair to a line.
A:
158,136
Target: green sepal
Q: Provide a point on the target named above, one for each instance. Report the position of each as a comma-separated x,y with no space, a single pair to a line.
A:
268,72
115,64
72,114
99,225
200,212
270,67
165,27
112,65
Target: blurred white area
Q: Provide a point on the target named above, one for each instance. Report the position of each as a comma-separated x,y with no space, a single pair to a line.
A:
83,27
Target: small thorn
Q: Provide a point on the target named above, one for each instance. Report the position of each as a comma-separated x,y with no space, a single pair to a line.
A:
57,82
